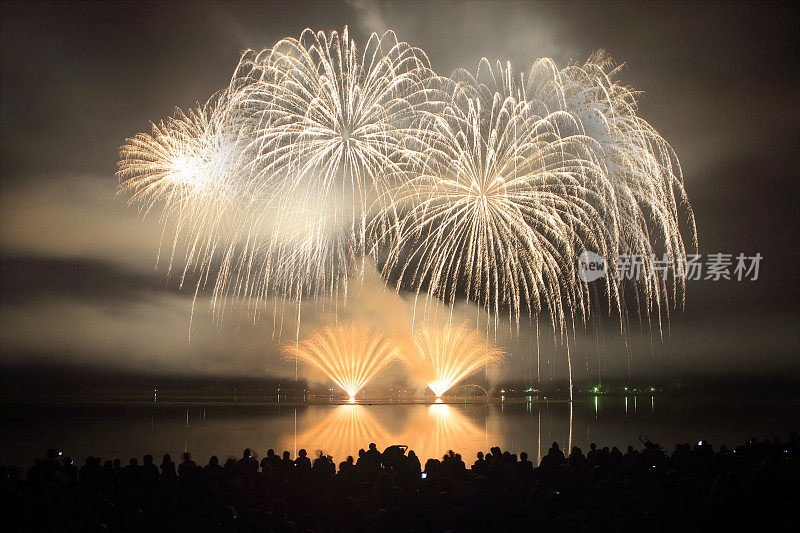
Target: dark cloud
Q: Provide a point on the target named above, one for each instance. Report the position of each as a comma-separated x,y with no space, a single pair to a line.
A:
78,277
25,278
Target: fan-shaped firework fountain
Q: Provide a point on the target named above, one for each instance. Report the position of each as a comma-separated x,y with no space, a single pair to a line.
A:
443,357
348,355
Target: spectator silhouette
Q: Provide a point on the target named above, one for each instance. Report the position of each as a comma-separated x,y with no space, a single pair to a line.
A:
148,472
213,468
302,462
373,454
168,471
644,489
248,463
130,473
187,467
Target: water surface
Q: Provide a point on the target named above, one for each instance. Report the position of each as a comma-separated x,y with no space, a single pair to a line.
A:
125,431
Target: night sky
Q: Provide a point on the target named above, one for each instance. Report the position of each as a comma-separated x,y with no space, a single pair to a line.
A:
79,287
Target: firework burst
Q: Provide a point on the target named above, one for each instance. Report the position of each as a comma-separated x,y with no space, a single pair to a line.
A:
274,182
327,123
189,165
518,175
498,206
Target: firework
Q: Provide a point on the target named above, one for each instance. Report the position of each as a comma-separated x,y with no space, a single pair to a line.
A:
443,357
320,153
518,176
350,356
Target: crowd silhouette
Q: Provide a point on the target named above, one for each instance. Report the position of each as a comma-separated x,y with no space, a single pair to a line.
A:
693,488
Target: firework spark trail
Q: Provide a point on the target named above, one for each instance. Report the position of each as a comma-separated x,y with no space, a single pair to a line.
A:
348,355
442,357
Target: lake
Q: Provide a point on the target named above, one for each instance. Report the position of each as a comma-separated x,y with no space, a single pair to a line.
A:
226,428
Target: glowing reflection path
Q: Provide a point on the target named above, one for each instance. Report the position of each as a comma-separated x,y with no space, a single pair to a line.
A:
342,432
439,428
430,431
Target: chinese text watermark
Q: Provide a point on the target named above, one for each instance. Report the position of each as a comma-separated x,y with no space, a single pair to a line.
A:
715,267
